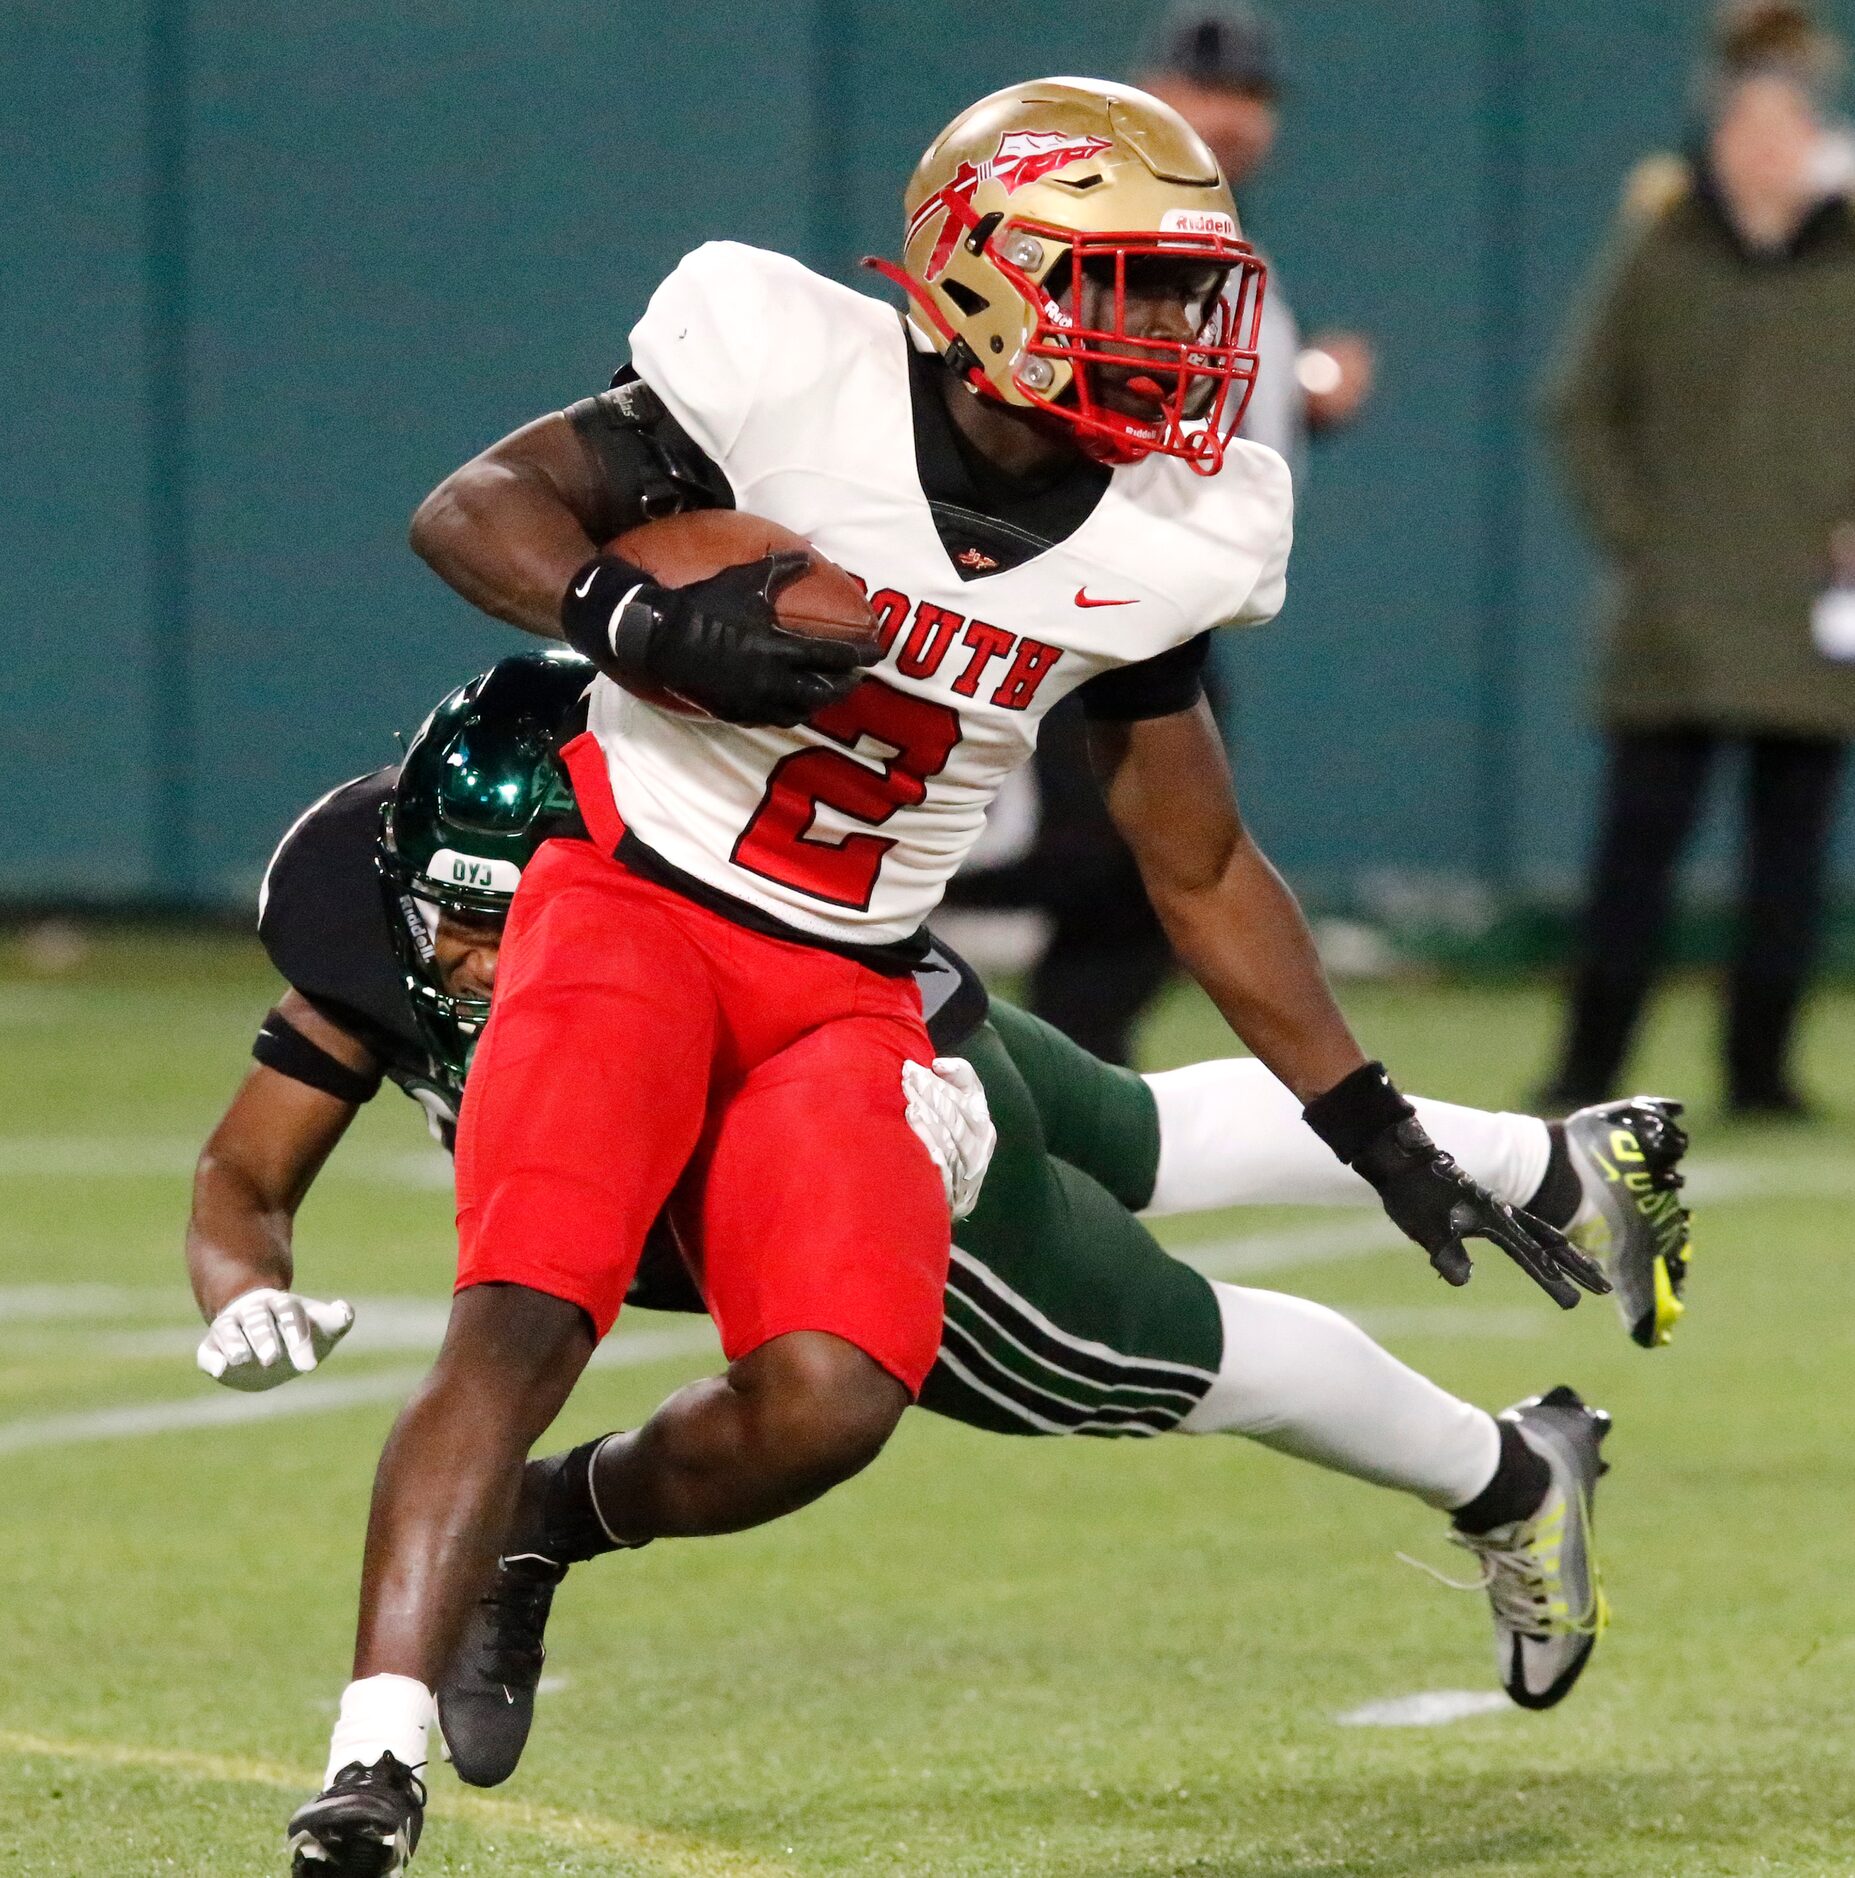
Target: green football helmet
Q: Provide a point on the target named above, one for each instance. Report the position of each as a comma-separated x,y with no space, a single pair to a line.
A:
480,789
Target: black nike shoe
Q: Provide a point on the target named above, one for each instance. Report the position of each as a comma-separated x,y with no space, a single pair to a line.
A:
365,1825
486,1702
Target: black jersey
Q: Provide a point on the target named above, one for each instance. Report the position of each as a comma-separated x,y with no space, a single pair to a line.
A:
322,916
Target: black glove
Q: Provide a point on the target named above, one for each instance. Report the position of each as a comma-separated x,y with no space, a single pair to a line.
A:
1371,1127
715,642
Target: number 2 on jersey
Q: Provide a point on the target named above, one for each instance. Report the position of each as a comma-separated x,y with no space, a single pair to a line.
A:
922,735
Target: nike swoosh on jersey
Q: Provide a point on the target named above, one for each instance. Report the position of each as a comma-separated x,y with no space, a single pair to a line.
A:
1082,599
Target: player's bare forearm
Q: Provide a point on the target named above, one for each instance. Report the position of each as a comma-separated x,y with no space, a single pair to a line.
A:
255,1169
510,528
1240,933
1231,918
1244,939
238,1239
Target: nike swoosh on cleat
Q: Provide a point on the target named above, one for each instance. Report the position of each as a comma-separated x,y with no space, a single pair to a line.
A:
1082,599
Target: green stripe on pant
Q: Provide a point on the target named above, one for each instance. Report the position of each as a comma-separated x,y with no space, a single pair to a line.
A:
1064,1315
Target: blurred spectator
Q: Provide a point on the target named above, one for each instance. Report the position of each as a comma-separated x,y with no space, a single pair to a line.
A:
1220,68
1706,417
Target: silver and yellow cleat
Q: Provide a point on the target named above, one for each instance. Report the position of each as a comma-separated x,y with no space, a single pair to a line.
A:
1627,1156
1541,1573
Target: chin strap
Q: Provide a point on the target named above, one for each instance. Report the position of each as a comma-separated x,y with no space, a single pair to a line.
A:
1202,451
959,354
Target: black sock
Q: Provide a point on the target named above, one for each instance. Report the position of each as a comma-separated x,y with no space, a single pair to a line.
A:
558,1518
1560,1192
1521,1478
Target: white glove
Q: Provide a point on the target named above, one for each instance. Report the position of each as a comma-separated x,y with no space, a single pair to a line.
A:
947,1110
251,1337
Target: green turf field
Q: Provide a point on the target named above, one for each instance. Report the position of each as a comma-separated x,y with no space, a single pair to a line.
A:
991,1657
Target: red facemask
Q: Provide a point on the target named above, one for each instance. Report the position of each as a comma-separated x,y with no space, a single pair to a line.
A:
1198,388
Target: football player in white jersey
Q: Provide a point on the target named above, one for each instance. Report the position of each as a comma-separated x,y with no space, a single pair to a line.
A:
710,1003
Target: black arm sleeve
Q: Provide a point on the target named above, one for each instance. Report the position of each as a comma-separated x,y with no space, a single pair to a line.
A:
653,467
1156,687
279,1045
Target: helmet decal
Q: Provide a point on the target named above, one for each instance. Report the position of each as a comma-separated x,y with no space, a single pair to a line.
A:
1022,157
489,873
1198,222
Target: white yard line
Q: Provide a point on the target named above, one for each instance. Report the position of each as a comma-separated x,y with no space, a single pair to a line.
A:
1246,1255
1729,1182
50,1304
1715,1183
221,1408
144,1157
157,1157
382,1324
315,1395
637,1347
1430,1708
141,1322
1479,1321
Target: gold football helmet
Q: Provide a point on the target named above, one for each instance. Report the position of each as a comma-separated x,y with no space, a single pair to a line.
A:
1027,211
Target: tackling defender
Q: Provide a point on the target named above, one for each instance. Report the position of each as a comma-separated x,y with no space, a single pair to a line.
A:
1062,1315
729,958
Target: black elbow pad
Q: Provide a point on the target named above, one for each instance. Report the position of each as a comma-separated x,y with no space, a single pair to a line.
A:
279,1045
653,467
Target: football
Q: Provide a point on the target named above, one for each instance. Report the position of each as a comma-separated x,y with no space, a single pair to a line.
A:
823,603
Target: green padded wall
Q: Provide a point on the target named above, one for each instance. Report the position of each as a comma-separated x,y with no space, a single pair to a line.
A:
273,271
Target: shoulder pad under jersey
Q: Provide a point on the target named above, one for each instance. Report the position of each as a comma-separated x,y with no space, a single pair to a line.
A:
322,919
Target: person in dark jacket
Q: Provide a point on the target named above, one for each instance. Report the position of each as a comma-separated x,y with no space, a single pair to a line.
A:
1705,416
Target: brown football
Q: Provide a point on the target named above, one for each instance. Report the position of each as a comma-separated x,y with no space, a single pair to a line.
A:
823,603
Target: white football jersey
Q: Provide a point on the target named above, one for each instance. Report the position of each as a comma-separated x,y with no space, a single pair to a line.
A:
849,827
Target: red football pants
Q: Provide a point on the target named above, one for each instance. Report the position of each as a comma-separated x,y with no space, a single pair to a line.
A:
643,1050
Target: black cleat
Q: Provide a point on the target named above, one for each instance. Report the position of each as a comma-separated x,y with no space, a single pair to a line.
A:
365,1825
486,1702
